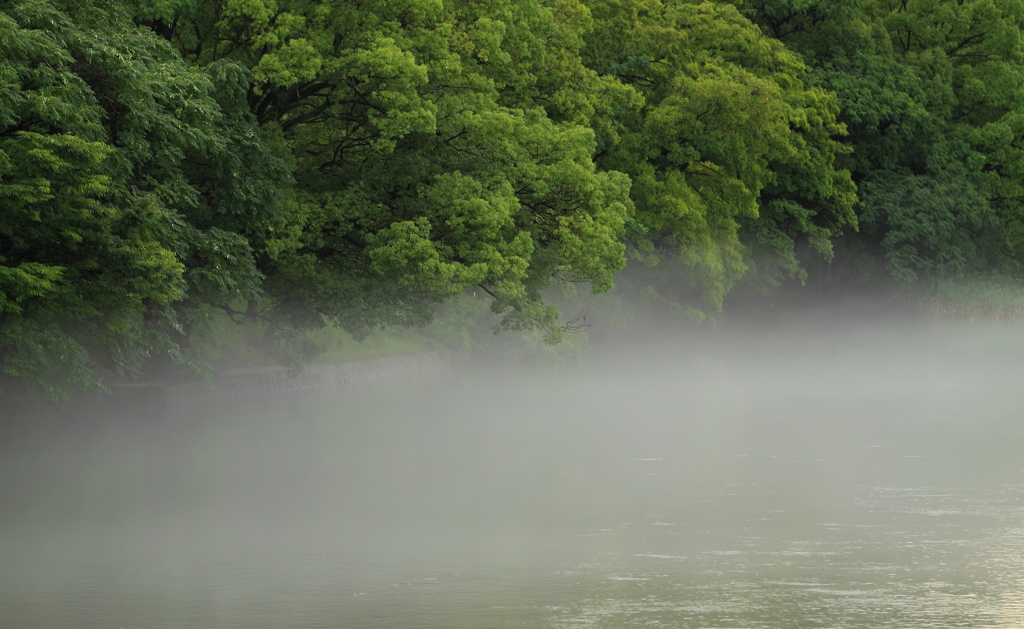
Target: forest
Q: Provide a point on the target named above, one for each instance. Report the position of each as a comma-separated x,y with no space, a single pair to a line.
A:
356,164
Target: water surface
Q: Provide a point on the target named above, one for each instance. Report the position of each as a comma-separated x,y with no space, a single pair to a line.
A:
806,474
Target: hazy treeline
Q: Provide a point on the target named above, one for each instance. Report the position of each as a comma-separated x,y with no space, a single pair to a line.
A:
303,163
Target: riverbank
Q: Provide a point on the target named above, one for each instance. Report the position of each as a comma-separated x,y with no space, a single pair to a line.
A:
237,384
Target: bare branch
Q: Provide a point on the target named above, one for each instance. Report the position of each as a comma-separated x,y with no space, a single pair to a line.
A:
487,290
577,324
563,277
231,314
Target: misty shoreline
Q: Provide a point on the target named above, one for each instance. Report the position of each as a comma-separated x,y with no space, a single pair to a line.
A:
234,385
763,322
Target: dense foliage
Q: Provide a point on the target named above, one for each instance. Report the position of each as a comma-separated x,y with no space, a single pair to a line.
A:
304,163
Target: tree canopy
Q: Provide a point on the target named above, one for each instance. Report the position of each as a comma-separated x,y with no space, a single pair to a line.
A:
308,163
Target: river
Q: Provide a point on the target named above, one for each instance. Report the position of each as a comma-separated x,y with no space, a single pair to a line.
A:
801,473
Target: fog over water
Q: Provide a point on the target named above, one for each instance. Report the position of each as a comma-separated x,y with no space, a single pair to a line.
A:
810,471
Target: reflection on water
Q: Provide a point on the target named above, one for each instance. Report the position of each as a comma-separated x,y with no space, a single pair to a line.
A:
798,477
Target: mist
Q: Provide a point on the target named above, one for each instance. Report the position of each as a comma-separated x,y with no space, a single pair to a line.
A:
817,469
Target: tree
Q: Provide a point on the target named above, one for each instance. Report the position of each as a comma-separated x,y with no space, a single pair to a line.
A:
732,154
104,256
423,163
930,90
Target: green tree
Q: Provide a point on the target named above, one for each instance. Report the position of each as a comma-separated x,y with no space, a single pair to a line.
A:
931,93
104,133
423,159
732,153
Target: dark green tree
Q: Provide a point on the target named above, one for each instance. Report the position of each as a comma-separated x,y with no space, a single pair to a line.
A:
931,93
119,200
